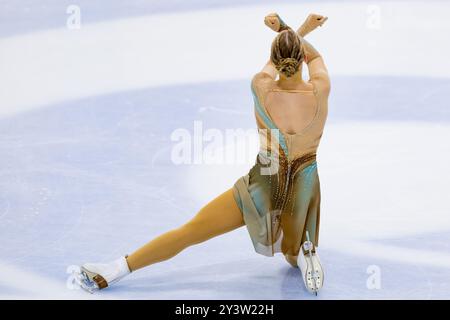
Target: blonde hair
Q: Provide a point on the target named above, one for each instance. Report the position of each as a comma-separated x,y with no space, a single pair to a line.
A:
287,52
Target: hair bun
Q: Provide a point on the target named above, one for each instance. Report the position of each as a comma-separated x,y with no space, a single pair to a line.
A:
288,66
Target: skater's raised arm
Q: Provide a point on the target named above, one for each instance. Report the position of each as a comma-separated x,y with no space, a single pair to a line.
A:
318,73
312,22
274,22
269,70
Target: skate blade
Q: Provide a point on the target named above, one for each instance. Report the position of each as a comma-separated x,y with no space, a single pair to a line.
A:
85,283
93,278
314,275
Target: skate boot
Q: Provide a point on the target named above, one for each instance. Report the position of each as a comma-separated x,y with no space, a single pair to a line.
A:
97,276
309,264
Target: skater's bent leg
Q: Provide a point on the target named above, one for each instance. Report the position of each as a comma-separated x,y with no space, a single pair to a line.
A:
217,217
292,260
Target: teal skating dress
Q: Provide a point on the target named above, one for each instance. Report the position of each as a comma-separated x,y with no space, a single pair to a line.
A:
280,196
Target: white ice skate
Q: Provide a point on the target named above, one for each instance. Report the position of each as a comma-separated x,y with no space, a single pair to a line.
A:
97,276
309,264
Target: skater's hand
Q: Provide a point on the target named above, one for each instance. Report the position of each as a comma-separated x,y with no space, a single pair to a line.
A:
274,22
313,21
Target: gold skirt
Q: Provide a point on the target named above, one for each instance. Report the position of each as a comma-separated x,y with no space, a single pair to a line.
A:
279,207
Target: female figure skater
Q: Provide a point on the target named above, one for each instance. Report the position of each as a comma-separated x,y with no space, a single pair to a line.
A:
279,199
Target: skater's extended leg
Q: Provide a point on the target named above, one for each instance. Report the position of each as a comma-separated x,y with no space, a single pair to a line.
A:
217,217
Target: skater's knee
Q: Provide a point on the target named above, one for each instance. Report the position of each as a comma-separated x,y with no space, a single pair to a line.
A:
191,227
292,260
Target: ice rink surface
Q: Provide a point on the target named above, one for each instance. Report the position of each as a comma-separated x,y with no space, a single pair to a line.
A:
86,117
